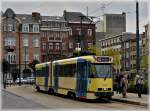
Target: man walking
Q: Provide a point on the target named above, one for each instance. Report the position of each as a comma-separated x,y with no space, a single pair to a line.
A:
139,84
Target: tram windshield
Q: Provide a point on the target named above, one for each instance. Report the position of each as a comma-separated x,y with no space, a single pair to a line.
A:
101,70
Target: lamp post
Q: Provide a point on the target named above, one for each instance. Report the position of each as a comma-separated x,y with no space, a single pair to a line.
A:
25,47
19,30
137,39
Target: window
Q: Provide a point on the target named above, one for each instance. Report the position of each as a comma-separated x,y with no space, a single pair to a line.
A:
79,31
10,27
36,57
51,38
127,64
57,47
10,42
35,28
64,46
36,42
4,28
127,45
100,70
70,32
25,42
127,55
70,45
77,45
44,46
11,57
68,70
90,45
50,46
25,28
89,32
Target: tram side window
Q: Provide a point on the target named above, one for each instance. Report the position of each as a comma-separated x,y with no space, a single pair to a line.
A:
45,71
57,70
67,70
39,73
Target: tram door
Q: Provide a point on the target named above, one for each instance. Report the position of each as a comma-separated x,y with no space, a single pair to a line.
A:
46,72
56,74
82,78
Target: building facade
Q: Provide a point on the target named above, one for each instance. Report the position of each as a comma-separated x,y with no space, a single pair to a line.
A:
145,51
43,38
55,38
83,30
112,46
25,27
122,48
112,24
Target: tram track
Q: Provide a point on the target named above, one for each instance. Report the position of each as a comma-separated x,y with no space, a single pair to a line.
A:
60,101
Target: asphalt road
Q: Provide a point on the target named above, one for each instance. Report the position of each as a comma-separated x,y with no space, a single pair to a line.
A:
12,101
42,100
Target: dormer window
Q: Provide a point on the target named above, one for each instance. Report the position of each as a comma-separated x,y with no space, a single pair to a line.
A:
25,28
35,28
10,27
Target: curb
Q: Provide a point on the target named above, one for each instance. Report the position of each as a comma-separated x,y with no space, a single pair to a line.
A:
130,102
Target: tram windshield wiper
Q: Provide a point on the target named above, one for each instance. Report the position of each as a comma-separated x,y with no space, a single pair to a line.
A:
106,76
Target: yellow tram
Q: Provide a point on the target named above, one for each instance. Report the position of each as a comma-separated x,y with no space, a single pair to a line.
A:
88,77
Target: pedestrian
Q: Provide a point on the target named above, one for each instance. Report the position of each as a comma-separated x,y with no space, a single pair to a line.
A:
139,84
118,79
124,85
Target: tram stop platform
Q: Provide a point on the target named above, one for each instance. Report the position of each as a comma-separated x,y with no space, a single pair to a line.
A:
132,98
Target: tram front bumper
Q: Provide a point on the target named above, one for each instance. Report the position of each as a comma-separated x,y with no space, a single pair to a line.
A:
104,94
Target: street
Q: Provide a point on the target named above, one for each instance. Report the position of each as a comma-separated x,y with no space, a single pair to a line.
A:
12,101
33,100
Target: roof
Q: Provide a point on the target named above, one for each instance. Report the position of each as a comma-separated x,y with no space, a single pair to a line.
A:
9,13
53,18
26,18
75,17
74,60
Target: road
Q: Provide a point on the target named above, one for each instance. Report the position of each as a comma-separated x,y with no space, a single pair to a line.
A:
59,102
12,101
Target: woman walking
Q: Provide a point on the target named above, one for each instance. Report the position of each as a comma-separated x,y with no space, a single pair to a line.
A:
124,85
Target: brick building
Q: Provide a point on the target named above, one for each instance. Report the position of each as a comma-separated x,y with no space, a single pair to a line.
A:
29,38
83,29
55,38
43,38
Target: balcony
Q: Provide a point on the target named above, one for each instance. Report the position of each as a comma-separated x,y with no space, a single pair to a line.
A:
10,48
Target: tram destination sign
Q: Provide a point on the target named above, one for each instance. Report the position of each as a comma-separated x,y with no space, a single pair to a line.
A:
103,59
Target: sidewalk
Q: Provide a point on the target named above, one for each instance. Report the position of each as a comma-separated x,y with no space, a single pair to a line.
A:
132,98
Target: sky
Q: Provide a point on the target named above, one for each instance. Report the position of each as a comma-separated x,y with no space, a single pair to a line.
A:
56,8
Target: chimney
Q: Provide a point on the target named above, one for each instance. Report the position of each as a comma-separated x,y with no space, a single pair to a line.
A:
123,13
65,16
36,15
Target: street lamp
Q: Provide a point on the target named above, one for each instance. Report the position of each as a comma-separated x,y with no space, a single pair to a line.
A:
19,30
137,39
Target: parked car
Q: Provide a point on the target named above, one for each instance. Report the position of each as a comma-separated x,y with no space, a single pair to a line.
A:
9,81
23,81
30,80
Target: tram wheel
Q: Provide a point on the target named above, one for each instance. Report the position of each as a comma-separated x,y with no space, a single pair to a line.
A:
50,91
72,96
37,88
